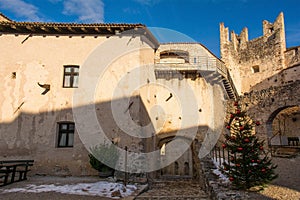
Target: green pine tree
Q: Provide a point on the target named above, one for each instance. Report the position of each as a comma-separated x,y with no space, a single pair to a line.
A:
248,163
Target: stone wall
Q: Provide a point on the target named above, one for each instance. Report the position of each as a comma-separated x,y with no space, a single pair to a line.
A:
283,77
251,62
266,104
292,56
266,75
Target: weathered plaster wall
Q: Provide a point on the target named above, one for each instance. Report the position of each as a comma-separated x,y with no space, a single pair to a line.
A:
204,93
167,102
28,119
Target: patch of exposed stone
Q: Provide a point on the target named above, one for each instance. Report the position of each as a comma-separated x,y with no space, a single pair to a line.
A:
266,96
217,188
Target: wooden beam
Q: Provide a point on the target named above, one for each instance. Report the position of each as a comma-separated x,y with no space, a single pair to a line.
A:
97,29
83,29
44,28
109,29
13,27
71,29
57,29
30,28
17,28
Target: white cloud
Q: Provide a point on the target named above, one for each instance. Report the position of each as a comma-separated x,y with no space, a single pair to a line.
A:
21,9
86,10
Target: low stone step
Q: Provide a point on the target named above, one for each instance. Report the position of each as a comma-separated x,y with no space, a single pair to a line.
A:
286,152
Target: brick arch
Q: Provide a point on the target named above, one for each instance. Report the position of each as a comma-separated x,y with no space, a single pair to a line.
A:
264,105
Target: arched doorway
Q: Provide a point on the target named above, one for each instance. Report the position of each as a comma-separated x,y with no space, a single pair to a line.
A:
283,126
182,167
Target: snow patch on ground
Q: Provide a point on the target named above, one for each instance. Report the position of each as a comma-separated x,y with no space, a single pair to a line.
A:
102,188
217,171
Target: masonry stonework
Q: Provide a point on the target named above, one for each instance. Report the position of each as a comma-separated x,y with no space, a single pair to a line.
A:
252,61
266,75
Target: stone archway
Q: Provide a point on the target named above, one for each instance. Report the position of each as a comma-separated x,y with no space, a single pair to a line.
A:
183,166
265,105
283,126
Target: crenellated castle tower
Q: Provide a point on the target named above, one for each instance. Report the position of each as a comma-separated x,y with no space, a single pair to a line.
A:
252,61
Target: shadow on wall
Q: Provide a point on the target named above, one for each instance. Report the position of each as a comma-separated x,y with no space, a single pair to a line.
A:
52,141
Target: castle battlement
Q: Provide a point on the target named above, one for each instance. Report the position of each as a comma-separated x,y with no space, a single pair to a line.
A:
252,61
239,40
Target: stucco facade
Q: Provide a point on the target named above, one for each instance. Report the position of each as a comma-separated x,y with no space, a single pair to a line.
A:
132,94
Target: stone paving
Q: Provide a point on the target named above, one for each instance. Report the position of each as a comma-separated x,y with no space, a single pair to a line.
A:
174,190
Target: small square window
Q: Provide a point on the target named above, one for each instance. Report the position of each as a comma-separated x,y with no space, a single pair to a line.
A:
65,134
255,69
71,76
14,75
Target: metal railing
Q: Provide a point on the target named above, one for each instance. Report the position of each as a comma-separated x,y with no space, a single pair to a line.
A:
198,63
220,155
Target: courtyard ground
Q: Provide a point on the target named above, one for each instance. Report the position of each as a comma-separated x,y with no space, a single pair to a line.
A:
285,187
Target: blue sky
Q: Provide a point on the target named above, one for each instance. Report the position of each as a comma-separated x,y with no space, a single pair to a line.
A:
198,19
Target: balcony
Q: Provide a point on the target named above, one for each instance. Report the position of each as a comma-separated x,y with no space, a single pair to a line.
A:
211,69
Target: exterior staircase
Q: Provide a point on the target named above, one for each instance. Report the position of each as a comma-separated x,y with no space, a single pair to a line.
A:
228,84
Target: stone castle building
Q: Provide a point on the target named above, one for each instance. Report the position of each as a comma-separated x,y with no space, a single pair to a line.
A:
266,75
64,83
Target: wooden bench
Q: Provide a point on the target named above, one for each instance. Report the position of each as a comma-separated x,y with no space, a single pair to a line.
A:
14,170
